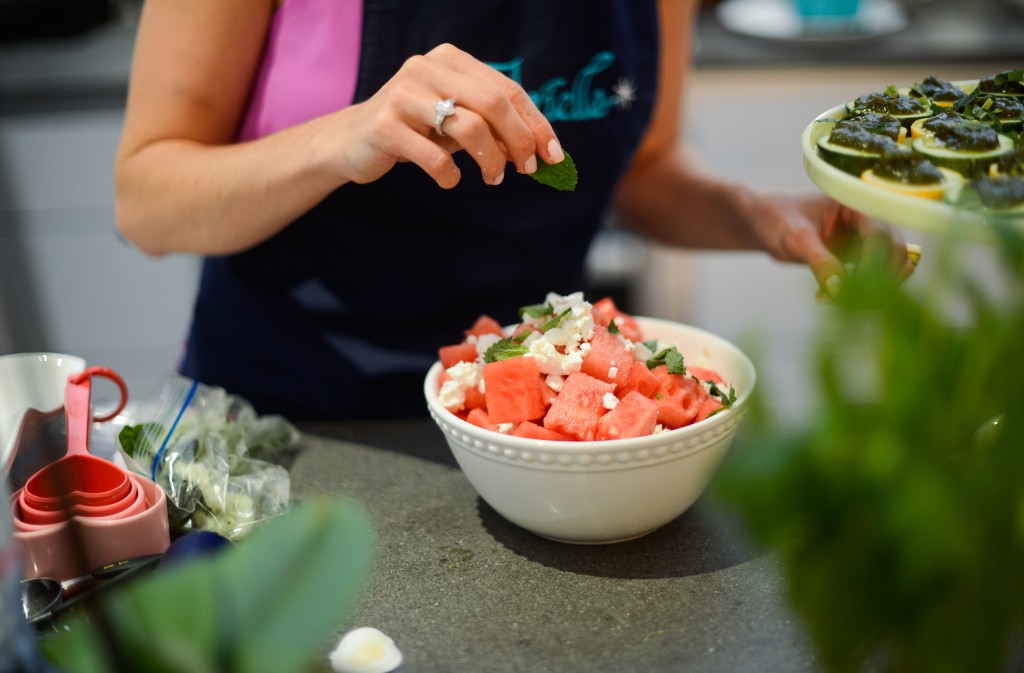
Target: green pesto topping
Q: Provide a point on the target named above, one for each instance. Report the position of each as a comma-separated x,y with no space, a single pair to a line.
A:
1011,163
938,89
861,139
998,193
891,102
1003,107
943,119
967,135
908,168
1007,81
875,122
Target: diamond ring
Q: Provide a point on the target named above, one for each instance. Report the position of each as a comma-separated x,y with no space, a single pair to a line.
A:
442,109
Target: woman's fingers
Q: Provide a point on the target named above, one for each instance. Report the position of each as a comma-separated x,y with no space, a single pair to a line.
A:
472,133
492,118
505,105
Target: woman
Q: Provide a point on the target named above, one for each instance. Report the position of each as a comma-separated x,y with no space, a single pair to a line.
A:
354,220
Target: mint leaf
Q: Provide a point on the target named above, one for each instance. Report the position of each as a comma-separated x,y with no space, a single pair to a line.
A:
727,399
503,350
562,176
535,310
613,328
671,358
551,324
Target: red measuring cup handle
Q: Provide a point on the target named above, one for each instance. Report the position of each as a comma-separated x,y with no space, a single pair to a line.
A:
77,398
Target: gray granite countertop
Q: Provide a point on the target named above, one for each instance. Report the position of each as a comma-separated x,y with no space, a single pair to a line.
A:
460,589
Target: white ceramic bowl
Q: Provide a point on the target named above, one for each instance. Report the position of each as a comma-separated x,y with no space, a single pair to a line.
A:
31,381
603,491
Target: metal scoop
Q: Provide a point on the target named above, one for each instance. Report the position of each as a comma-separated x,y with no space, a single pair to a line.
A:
42,594
43,598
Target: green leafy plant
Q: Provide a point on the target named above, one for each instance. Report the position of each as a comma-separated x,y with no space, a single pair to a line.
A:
267,605
898,509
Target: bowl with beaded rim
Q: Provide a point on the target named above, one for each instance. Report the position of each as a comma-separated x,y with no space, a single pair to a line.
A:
602,491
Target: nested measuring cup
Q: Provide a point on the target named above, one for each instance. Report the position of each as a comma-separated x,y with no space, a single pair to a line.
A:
132,503
79,478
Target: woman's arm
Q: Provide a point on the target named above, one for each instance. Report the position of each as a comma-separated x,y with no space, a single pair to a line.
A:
668,195
184,185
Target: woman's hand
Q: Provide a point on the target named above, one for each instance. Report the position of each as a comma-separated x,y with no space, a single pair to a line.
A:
826,235
495,121
184,184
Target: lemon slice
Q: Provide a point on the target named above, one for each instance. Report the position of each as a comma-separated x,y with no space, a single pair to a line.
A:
930,191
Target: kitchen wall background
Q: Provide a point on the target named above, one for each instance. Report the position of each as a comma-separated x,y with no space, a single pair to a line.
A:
68,284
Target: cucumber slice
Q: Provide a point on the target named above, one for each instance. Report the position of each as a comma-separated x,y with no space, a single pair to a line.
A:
847,159
965,162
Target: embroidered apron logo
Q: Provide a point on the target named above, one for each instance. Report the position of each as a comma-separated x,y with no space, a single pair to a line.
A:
561,100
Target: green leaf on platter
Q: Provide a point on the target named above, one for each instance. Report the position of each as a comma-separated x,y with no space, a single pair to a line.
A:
1008,76
266,605
562,176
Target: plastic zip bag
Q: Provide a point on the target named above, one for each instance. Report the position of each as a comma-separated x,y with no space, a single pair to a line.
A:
211,453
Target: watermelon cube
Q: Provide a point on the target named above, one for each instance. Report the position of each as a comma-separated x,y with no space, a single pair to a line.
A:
485,324
515,390
579,406
531,430
640,379
708,407
480,418
456,353
605,311
678,397
609,358
634,416
475,398
705,374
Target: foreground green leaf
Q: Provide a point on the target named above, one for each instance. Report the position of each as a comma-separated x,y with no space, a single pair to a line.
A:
896,508
266,606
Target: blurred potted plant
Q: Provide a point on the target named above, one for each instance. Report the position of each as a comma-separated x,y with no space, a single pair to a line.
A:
270,604
898,511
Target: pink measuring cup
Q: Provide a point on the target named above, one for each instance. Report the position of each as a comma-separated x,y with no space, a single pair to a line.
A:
80,478
133,502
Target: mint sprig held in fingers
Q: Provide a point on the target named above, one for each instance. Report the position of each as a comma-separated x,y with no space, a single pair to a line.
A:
562,176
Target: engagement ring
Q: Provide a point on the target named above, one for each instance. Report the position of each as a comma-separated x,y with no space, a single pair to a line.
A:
443,108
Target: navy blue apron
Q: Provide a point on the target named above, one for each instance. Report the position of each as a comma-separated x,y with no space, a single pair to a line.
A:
340,315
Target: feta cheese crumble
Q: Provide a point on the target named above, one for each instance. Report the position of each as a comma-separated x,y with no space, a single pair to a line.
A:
559,351
365,650
463,375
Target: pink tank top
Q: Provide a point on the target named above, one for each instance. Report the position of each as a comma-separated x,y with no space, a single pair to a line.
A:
309,66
